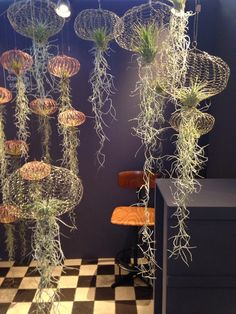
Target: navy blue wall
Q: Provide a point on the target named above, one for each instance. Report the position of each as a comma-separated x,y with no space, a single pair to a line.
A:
95,235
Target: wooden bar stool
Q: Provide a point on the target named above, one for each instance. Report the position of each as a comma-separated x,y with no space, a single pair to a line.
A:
131,216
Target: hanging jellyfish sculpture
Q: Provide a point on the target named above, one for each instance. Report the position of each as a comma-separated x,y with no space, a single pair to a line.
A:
69,119
142,30
205,77
44,108
18,62
37,19
42,192
97,25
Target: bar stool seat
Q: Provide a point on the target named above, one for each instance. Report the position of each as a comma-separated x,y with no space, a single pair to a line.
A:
132,216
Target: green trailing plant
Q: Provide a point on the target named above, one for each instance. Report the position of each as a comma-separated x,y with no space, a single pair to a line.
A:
22,227
46,132
3,159
10,240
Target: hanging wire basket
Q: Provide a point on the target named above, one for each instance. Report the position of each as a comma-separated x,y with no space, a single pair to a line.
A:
35,170
71,118
16,61
96,25
43,107
63,66
5,96
206,76
35,19
203,121
8,214
16,148
57,193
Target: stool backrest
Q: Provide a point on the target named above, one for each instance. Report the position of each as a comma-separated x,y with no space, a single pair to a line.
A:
134,179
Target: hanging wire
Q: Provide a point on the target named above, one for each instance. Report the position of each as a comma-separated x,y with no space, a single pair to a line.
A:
198,8
99,4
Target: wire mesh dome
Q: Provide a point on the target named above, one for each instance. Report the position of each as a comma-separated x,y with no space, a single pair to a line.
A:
56,194
16,61
8,214
142,27
206,76
96,25
35,19
5,95
16,147
71,118
35,170
203,121
43,106
63,66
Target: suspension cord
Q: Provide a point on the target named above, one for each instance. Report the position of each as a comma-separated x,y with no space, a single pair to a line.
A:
198,8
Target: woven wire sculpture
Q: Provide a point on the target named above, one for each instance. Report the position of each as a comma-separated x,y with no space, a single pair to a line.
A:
64,68
204,77
35,171
16,148
43,107
97,25
43,201
142,30
18,62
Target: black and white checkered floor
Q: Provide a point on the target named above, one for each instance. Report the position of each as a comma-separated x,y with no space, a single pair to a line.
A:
85,288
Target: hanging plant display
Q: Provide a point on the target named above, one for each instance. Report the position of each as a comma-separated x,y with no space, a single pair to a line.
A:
37,19
97,25
206,76
44,108
143,30
65,67
42,193
18,62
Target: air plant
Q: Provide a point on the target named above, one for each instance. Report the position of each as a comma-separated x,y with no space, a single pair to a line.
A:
65,67
43,193
37,20
44,108
97,25
205,76
18,62
142,31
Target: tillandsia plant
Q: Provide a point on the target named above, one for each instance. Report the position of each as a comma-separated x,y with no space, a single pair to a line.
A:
69,119
18,62
43,193
142,30
37,19
205,76
97,25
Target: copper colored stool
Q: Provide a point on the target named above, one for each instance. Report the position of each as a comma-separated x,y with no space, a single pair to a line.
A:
131,216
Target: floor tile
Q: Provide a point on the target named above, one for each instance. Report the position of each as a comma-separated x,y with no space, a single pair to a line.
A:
67,294
139,283
88,270
25,295
11,283
106,269
32,272
1,281
73,262
143,293
71,271
106,261
105,294
68,281
124,293
46,295
85,294
34,307
125,279
22,263
33,263
6,264
145,306
91,261
4,271
29,283
105,280
57,271
7,295
122,271
83,307
104,307
87,281
4,307
63,308
17,272
126,307
19,308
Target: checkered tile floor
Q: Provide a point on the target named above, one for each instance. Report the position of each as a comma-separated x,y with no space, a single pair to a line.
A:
85,288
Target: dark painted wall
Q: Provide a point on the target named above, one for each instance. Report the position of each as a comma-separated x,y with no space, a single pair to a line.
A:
95,235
